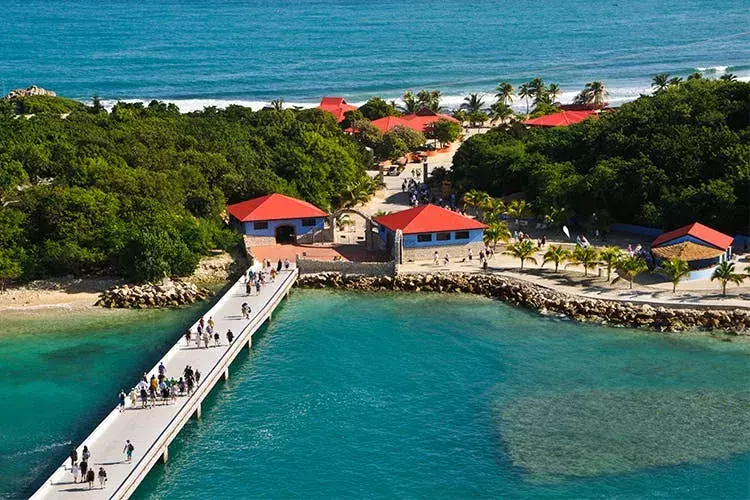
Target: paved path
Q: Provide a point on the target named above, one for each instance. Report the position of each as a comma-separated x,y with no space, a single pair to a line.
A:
151,430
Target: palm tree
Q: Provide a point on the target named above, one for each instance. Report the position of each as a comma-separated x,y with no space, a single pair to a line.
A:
556,254
342,221
675,81
525,93
496,231
505,92
475,199
500,111
729,77
554,91
380,213
676,269
518,208
429,99
473,103
695,76
629,267
660,82
609,257
278,104
411,105
491,208
587,257
524,250
724,273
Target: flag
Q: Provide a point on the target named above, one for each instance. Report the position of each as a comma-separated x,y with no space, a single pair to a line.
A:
565,230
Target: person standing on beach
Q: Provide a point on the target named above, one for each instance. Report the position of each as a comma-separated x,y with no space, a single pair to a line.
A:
75,471
471,255
102,477
436,258
128,450
286,263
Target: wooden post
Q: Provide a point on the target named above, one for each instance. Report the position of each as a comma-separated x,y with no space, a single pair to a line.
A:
197,413
250,343
226,374
165,455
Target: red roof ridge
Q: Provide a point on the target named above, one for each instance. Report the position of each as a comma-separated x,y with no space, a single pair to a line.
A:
273,206
428,219
698,231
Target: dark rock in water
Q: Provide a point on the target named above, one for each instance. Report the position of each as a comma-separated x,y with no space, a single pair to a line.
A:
168,293
543,299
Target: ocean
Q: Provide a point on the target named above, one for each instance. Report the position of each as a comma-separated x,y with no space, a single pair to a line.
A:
199,53
400,395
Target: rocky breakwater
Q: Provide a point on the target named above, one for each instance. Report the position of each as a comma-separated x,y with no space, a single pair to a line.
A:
544,300
166,294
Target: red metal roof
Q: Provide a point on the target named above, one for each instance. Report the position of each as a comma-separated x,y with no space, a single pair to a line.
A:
428,219
561,119
416,122
699,231
389,123
273,207
337,106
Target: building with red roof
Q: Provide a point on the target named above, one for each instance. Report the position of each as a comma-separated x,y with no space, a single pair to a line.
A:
419,121
337,106
421,231
561,119
701,246
276,217
389,123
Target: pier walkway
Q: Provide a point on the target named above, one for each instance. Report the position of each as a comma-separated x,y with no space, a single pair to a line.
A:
152,430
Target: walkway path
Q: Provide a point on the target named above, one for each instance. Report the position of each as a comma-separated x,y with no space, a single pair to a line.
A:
151,430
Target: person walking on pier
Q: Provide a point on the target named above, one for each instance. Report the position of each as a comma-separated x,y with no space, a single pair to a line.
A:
144,397
286,263
197,377
102,477
128,450
86,454
188,333
199,336
216,339
90,476
84,466
73,456
230,336
211,324
245,310
75,471
205,340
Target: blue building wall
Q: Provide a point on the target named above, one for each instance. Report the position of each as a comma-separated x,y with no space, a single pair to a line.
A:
249,227
410,240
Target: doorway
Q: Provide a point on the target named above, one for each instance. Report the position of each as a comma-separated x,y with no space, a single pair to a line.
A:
286,234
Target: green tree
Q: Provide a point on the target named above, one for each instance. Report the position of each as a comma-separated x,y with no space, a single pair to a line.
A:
278,104
609,257
492,208
724,273
593,93
695,76
411,104
525,92
660,82
444,131
588,257
391,147
728,77
556,254
475,199
554,91
412,138
629,267
496,231
676,269
517,209
429,99
377,108
473,103
523,250
504,92
500,111
10,267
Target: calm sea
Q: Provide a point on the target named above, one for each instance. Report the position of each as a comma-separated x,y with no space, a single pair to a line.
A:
209,52
407,396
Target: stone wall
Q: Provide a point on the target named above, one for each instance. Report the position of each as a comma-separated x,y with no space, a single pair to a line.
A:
545,300
455,252
344,267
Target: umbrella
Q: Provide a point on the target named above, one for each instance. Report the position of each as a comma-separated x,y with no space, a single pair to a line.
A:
566,231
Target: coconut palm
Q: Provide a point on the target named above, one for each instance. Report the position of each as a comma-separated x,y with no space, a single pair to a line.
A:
504,92
473,103
729,77
518,208
556,254
429,99
593,93
475,198
553,91
342,221
629,267
410,105
496,231
609,257
500,111
491,208
525,92
724,273
676,269
675,81
380,213
695,76
524,250
278,104
587,257
660,82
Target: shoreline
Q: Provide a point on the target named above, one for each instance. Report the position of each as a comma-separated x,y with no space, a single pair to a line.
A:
547,301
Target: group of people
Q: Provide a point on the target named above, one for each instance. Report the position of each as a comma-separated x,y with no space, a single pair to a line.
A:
82,471
520,236
418,193
160,388
484,254
206,333
256,279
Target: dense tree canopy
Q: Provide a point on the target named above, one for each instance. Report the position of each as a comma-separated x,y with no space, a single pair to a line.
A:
140,191
665,160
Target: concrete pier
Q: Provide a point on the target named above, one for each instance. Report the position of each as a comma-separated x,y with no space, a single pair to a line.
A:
152,430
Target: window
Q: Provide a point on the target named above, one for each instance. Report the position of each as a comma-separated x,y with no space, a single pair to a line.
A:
443,236
308,222
260,225
462,235
424,237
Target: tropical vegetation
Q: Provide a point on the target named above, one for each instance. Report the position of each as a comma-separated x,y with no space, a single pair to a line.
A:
724,274
523,250
676,270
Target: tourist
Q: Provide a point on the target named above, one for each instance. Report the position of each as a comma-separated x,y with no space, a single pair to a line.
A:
90,476
446,259
121,400
230,336
249,288
75,471
206,339
197,377
544,240
73,456
211,323
199,336
133,398
128,450
166,393
471,255
152,395
286,263
190,384
144,397
216,339
181,385
201,323
84,466
187,337
436,258
162,369
278,266
102,477
245,308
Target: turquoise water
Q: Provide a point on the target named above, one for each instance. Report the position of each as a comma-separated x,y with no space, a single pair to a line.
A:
364,395
201,52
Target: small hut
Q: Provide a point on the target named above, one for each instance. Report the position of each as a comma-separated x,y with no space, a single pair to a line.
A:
701,246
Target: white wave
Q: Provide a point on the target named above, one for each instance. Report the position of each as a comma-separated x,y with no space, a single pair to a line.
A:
712,69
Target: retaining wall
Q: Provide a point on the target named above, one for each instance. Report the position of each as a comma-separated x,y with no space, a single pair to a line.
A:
345,267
